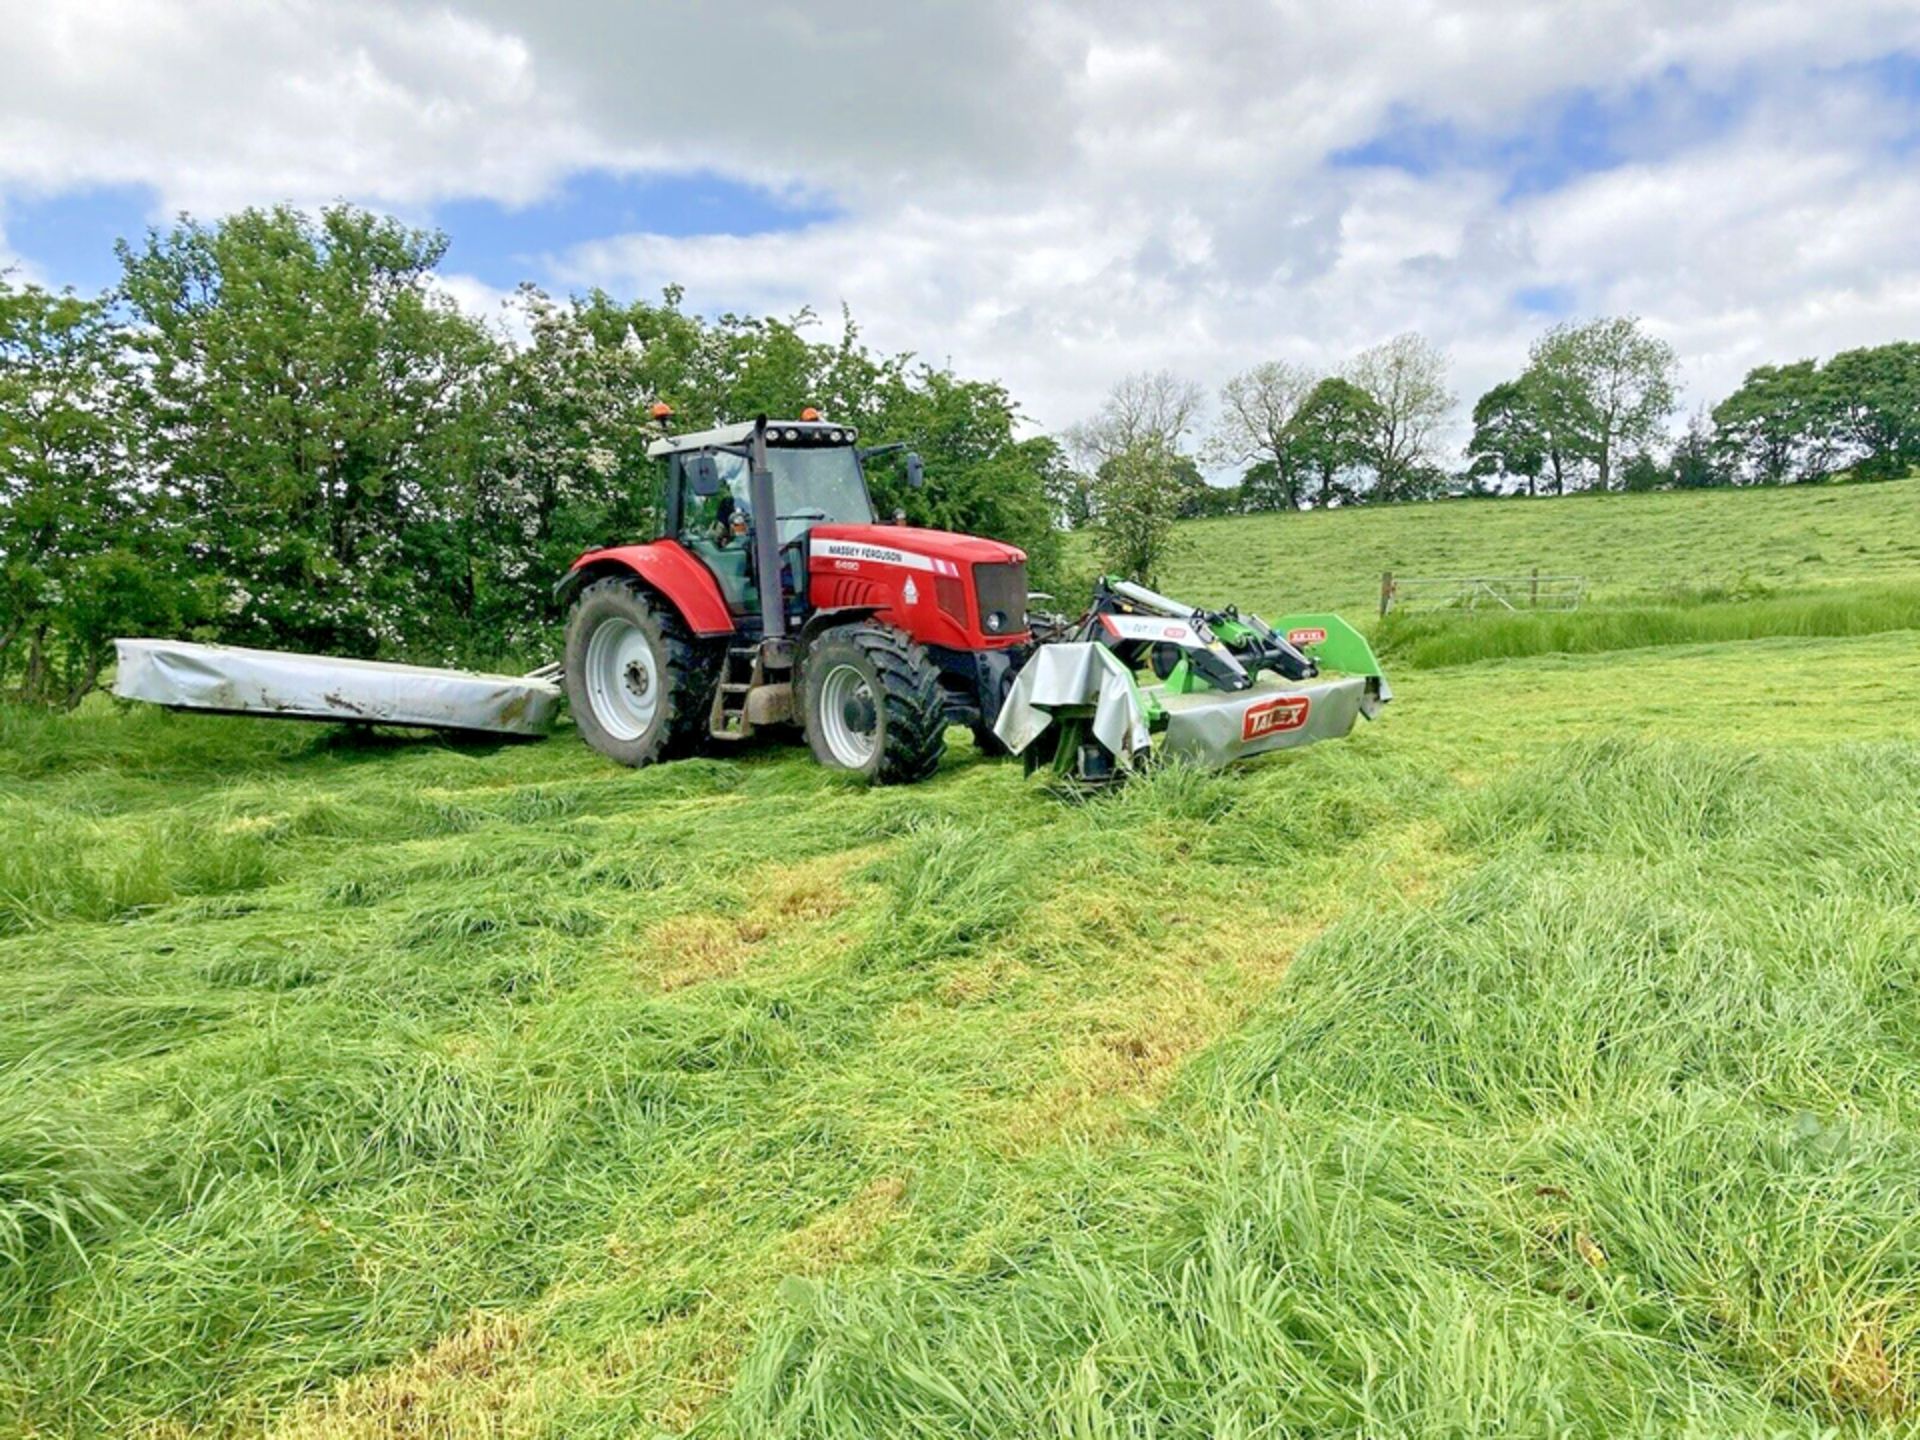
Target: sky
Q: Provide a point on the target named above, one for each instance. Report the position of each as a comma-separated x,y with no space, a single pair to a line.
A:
1045,192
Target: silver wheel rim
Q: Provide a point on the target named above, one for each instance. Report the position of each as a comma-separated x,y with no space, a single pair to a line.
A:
842,687
623,679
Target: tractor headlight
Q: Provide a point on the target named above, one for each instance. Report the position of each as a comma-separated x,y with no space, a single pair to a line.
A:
836,436
792,435
996,622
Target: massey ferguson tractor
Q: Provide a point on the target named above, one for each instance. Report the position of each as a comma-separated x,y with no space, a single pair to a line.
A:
774,596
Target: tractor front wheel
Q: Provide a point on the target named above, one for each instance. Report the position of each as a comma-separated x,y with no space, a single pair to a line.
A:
640,685
873,705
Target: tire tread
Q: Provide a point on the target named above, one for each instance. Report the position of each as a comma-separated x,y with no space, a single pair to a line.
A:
914,736
692,669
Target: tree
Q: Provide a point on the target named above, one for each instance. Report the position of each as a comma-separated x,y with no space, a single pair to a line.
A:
1605,389
1872,403
1139,496
309,398
1261,487
1696,461
1257,410
1141,479
1776,426
1509,436
84,554
1643,472
1407,380
565,464
1331,439
1144,411
1069,495
980,479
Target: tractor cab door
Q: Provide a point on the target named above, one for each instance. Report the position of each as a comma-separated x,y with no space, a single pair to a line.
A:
713,528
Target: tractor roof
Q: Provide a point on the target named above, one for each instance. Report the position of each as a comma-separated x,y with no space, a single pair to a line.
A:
779,432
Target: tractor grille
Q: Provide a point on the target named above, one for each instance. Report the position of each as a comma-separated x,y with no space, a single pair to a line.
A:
1002,589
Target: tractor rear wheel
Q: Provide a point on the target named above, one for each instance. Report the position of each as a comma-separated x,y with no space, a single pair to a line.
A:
873,705
639,683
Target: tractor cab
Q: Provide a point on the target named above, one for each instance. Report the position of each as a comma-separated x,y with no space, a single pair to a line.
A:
709,504
774,596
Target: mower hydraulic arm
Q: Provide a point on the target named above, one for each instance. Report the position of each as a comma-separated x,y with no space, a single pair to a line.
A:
1221,649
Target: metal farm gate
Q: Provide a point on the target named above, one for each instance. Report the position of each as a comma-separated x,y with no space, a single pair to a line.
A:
1533,591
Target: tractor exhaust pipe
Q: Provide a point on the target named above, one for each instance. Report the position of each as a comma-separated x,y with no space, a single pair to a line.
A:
766,534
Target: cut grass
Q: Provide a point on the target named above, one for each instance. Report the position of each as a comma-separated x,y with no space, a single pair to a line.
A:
1613,1137
1541,1060
1629,547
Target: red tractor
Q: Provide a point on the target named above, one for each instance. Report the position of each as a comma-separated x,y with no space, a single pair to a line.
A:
774,596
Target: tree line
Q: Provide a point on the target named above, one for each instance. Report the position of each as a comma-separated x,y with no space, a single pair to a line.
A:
1590,411
277,431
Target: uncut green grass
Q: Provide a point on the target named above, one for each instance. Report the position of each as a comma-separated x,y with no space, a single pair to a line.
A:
1540,1061
1437,638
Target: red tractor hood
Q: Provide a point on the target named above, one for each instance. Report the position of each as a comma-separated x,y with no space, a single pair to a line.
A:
912,540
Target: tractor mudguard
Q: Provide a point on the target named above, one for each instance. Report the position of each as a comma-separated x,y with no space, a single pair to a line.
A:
834,615
666,567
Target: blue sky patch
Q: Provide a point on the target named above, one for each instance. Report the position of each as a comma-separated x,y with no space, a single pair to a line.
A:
1551,301
1897,74
1558,141
1897,77
68,237
503,245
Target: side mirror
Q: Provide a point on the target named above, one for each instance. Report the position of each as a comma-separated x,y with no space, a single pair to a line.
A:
916,472
704,474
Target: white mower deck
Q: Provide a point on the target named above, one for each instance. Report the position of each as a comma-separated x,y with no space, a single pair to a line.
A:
1215,728
229,680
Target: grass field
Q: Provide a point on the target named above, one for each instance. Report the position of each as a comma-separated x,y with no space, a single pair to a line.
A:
1792,538
1545,1060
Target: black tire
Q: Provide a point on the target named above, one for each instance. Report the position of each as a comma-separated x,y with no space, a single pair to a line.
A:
895,703
683,667
988,743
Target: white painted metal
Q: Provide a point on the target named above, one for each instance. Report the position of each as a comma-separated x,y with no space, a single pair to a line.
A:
622,678
842,686
275,683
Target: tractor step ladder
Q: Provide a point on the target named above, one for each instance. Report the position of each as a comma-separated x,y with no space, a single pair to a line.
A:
739,673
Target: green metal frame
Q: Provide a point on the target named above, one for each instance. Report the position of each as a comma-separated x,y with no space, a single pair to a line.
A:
1345,649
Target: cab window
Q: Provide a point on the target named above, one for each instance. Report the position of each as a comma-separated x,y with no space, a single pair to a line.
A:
708,528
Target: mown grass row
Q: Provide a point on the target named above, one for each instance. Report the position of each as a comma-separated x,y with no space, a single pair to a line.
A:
1438,638
508,1092
1616,1135
599,1055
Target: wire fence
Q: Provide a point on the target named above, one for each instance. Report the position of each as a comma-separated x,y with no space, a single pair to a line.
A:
1533,591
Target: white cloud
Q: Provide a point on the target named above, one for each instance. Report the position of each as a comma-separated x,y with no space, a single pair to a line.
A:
218,103
1055,193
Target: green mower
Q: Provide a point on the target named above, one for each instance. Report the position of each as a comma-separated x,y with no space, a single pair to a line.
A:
1225,686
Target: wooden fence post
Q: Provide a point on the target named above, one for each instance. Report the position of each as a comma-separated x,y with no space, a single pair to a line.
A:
1386,591
1534,602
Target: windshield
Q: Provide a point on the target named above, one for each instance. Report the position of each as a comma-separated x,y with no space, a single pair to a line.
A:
809,486
814,485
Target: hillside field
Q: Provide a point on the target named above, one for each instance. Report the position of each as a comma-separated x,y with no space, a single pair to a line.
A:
1542,1061
1792,538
